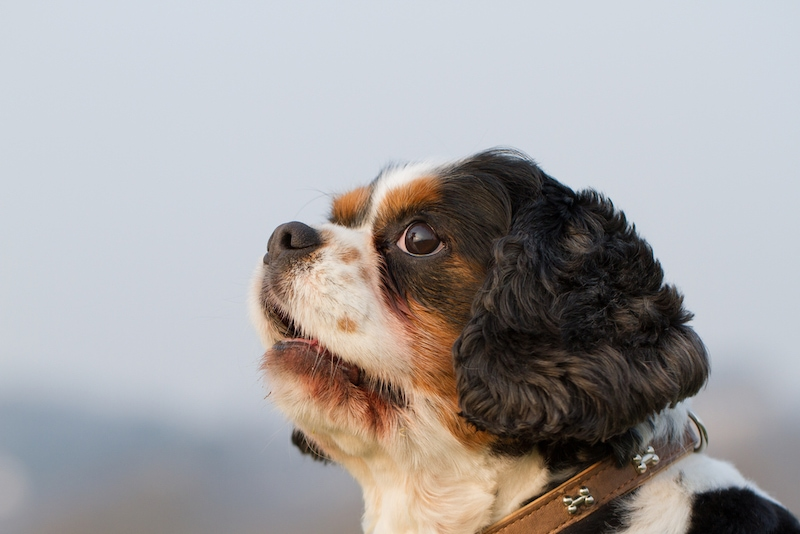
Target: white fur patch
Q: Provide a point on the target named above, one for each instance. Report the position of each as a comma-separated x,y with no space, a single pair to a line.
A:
664,504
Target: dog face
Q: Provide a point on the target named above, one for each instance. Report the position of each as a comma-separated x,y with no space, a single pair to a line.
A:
461,308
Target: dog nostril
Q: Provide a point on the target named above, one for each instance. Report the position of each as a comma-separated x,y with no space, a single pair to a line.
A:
294,237
286,241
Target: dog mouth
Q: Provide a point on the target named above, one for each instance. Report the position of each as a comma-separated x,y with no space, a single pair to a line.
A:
305,355
324,360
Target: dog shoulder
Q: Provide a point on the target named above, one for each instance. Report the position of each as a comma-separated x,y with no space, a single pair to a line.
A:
739,510
700,495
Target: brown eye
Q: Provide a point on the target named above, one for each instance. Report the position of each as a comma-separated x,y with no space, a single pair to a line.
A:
419,239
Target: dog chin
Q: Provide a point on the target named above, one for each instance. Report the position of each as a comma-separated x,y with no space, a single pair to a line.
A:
327,394
310,361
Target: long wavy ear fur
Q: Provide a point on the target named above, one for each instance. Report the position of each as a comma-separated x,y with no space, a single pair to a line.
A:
574,335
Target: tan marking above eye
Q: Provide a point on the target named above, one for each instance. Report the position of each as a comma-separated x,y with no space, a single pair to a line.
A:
349,208
416,195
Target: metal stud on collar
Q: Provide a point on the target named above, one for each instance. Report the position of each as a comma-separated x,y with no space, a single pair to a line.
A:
642,461
584,498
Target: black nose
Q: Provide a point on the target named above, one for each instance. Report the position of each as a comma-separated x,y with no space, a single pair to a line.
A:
290,241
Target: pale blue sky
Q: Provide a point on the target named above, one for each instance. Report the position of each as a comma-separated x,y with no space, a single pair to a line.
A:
148,149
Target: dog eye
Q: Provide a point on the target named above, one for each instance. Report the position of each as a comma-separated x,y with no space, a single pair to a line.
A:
419,239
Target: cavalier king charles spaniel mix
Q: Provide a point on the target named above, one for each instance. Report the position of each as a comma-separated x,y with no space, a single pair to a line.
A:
463,338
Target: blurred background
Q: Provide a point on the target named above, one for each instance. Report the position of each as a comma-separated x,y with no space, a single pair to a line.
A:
148,149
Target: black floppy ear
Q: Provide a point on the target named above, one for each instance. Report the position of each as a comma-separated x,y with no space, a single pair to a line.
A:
306,446
574,334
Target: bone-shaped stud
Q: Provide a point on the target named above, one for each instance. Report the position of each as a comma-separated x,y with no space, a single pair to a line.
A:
641,462
583,498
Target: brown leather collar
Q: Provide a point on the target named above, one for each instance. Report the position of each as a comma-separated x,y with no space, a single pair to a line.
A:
597,485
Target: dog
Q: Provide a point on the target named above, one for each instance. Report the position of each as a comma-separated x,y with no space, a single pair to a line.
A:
465,337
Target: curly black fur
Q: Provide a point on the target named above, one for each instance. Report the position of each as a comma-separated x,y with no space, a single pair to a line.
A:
574,335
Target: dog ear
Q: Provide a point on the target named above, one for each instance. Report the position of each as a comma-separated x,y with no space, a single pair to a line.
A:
306,446
574,334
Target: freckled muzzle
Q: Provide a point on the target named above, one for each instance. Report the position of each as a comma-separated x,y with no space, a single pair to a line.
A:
328,377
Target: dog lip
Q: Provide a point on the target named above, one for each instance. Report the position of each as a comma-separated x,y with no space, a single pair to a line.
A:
322,355
299,340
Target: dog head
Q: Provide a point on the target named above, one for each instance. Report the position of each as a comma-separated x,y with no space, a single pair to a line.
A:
466,306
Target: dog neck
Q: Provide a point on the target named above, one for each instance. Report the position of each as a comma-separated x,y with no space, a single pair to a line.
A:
458,492
440,486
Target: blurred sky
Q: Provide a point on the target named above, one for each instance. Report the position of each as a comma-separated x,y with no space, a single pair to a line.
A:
148,149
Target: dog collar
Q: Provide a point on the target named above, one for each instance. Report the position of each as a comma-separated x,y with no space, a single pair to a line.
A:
581,495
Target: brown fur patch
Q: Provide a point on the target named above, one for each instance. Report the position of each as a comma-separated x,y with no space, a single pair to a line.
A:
349,255
433,373
350,209
411,197
346,324
365,273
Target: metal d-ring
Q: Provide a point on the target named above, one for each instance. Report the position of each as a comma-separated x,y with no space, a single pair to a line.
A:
701,429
